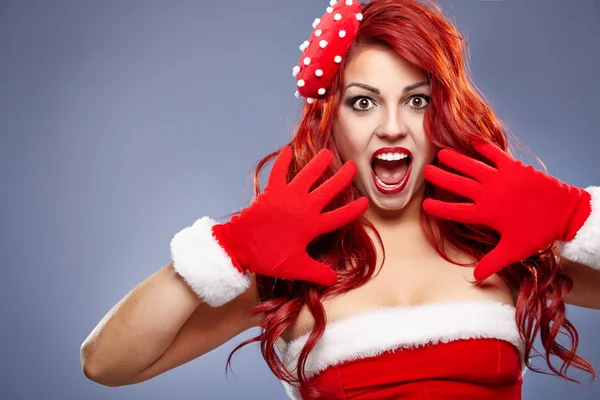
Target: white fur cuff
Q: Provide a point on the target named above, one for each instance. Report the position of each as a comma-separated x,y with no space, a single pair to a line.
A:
205,266
584,248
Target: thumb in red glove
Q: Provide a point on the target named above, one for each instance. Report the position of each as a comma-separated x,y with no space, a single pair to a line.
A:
530,209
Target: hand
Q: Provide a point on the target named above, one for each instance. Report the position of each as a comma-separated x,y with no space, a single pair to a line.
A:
530,209
270,236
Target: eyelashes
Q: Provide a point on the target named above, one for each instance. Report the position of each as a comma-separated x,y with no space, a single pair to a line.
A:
354,102
357,101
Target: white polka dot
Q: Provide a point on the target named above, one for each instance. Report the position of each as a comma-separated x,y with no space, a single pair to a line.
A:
342,33
319,72
359,16
337,59
306,60
316,22
300,83
323,43
318,32
321,91
304,45
337,16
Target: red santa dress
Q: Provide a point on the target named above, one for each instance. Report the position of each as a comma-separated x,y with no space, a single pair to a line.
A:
452,351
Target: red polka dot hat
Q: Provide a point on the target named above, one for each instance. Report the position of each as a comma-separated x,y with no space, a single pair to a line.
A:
326,47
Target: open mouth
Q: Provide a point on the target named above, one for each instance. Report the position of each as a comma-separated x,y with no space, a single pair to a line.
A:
390,169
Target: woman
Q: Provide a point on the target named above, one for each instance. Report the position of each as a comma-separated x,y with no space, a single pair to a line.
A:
397,250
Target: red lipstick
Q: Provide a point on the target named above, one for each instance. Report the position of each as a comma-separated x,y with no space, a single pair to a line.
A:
389,189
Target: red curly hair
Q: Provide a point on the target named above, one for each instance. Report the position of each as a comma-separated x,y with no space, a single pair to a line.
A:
457,114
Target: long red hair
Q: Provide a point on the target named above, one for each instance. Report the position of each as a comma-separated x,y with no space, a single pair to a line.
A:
457,114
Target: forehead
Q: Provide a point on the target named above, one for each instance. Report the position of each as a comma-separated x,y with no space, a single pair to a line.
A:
381,67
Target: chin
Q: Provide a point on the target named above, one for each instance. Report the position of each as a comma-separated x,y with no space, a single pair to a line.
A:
395,202
390,202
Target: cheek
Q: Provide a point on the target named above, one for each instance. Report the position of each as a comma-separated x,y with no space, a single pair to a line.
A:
339,142
424,146
427,152
430,152
347,141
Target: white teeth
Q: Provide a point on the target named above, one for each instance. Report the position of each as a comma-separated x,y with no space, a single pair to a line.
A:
391,156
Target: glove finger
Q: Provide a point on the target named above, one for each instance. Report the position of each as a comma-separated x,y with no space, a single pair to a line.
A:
493,153
312,171
465,164
301,266
455,183
326,192
507,252
465,213
339,217
278,175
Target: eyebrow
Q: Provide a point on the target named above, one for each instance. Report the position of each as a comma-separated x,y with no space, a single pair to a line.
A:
376,91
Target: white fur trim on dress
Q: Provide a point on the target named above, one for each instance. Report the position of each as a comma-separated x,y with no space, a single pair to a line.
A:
584,248
375,332
204,264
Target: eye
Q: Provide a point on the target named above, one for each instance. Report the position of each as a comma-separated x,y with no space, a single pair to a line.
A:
419,101
362,103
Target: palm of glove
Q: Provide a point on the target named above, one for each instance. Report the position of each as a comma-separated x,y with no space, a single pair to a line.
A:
529,208
271,235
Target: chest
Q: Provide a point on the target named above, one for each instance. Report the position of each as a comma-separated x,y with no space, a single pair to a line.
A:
405,283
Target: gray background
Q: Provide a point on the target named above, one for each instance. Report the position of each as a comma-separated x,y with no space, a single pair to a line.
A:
123,121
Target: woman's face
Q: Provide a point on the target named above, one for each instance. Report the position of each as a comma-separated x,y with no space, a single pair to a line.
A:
380,126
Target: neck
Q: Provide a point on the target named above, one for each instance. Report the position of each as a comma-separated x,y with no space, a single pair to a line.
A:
401,231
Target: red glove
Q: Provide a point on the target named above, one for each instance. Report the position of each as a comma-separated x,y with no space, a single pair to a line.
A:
530,209
271,235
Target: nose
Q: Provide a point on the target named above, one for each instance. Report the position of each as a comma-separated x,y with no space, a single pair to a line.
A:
392,127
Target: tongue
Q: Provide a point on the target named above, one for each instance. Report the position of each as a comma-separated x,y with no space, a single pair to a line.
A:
390,172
